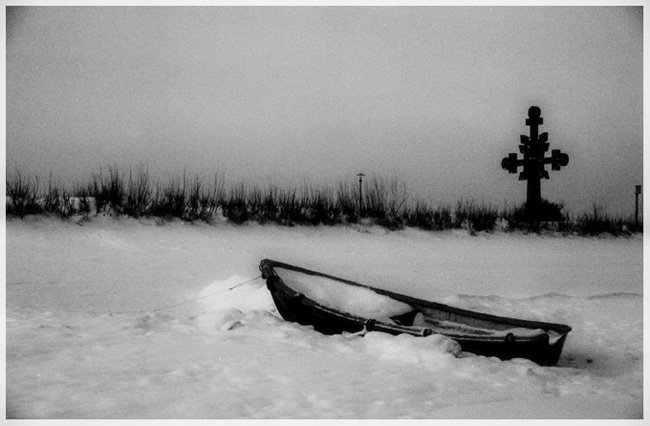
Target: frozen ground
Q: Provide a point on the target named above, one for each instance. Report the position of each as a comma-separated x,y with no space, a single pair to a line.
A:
91,331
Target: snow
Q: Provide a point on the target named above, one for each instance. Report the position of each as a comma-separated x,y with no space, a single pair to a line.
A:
346,298
130,319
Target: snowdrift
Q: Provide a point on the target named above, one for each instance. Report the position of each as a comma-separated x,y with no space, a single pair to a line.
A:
126,319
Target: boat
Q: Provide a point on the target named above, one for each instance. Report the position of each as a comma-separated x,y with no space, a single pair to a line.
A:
333,305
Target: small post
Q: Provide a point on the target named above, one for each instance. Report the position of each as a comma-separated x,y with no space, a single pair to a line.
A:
361,175
637,192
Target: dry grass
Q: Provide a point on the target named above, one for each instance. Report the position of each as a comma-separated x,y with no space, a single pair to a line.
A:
383,202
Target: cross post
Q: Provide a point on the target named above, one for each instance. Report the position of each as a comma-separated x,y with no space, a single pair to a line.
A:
533,148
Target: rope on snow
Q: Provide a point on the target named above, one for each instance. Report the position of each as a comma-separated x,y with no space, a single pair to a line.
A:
178,304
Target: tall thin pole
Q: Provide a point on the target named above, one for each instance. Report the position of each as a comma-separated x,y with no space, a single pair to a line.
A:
361,175
637,192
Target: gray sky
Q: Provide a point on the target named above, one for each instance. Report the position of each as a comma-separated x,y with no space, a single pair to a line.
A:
436,96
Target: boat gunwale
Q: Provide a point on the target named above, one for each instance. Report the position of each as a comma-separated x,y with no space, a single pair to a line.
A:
267,264
373,324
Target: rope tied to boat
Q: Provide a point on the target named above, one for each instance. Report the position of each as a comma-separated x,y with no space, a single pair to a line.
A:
180,303
207,295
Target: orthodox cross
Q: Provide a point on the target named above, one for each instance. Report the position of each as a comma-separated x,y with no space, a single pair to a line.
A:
533,149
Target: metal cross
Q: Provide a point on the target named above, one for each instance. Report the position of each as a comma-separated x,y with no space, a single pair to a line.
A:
533,149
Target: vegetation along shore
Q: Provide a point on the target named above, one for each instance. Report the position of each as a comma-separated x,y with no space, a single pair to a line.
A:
382,202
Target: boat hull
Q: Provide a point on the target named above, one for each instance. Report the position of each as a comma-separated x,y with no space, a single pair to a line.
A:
478,333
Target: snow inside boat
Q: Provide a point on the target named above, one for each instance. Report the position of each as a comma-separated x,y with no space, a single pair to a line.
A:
334,305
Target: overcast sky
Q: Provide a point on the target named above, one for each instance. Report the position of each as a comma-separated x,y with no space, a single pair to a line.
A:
436,96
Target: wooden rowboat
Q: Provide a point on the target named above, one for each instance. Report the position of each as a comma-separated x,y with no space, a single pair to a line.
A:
335,305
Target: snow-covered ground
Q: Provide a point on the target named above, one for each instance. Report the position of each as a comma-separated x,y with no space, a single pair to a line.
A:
128,319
